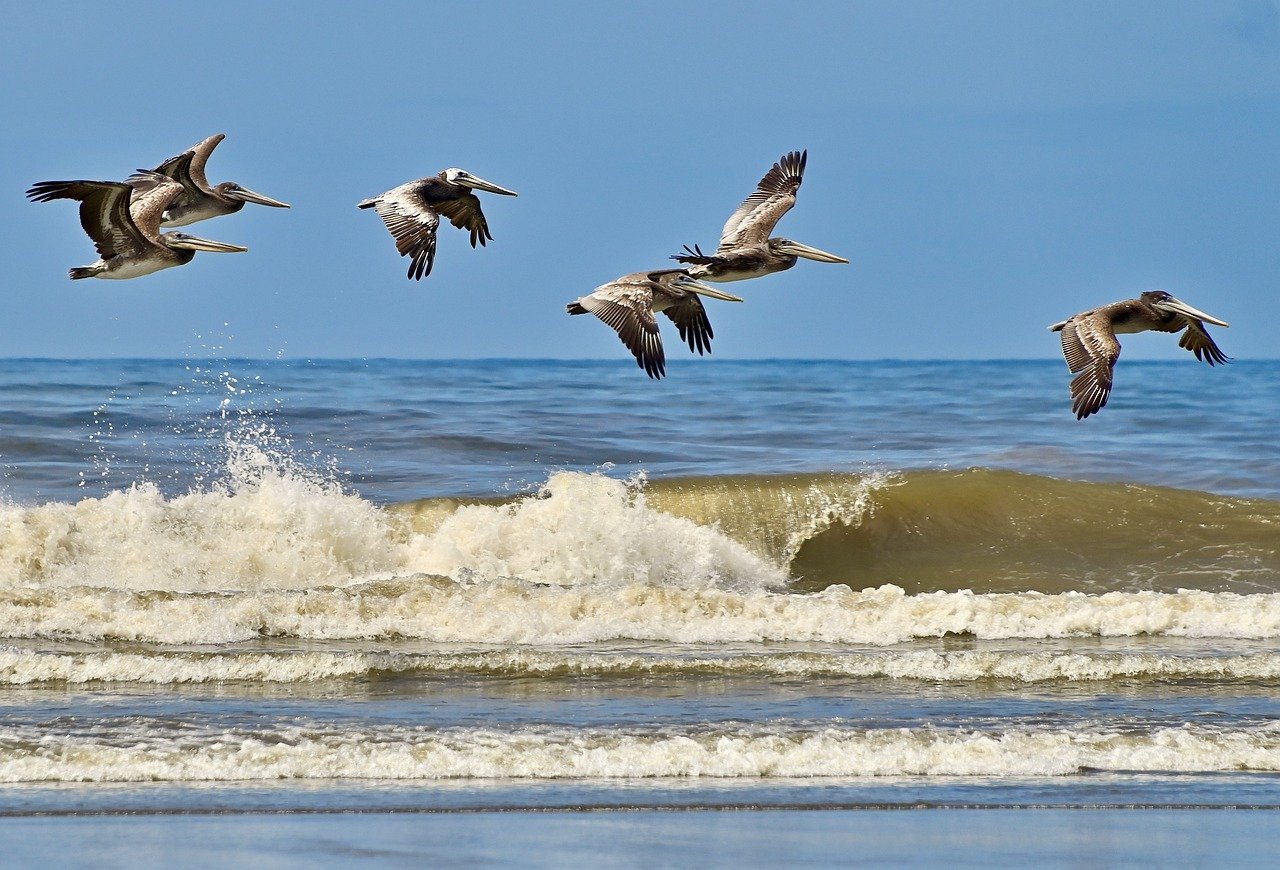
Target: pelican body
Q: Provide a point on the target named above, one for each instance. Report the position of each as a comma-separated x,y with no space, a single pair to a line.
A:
1090,347
198,199
745,249
412,212
628,305
125,227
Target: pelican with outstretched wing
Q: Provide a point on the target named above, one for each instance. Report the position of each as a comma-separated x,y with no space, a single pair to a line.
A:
412,213
125,226
1091,350
745,250
198,200
628,305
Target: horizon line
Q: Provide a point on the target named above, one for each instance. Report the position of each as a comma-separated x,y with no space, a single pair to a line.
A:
571,360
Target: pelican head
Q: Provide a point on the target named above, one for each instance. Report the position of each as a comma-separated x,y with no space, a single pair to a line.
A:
1162,301
795,249
231,190
466,179
195,243
685,281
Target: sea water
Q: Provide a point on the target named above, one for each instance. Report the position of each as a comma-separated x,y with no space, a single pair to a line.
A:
378,584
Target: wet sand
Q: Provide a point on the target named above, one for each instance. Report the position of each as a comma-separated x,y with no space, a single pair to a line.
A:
647,838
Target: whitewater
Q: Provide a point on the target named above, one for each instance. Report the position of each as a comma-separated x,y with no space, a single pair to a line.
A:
378,572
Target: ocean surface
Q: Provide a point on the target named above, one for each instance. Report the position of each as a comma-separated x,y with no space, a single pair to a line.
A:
233,585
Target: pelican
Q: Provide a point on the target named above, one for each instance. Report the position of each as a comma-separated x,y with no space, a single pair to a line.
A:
199,201
745,250
1090,347
628,304
412,213
127,235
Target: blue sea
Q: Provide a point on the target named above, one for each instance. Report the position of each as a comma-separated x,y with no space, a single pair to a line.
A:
294,586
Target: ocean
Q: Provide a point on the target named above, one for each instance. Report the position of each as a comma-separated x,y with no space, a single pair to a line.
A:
293,586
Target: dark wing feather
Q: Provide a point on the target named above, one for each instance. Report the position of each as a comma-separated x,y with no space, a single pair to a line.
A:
412,224
464,213
773,197
691,319
176,168
693,256
104,213
1197,340
1090,348
628,309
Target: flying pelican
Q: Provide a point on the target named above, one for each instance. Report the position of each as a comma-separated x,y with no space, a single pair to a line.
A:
745,250
412,213
628,304
127,235
1090,347
199,201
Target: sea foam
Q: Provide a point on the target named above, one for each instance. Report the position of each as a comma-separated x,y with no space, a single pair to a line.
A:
148,750
586,559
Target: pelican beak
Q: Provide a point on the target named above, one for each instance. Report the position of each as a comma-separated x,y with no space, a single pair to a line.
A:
703,290
261,199
194,243
809,253
480,184
1177,306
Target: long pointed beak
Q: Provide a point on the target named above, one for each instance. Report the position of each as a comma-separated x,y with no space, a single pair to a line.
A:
481,184
193,243
1179,307
702,289
261,199
810,253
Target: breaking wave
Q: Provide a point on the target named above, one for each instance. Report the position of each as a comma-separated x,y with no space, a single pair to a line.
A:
856,559
19,667
142,749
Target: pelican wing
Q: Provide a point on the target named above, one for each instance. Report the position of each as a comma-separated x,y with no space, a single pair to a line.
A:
691,319
1197,340
186,168
773,197
201,151
412,223
147,209
627,307
464,213
104,213
1090,348
175,168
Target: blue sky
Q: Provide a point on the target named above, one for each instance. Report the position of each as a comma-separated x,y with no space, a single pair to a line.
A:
988,167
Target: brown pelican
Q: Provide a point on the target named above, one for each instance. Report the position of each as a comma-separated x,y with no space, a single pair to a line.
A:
745,250
412,213
1090,347
127,234
199,201
628,304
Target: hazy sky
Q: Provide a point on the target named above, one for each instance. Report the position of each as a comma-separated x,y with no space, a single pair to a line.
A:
989,168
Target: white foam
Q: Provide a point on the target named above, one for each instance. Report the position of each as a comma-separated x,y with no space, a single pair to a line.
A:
268,530
587,530
24,667
147,751
515,612
278,553
264,529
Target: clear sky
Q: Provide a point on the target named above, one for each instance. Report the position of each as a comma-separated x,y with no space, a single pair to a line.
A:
988,167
